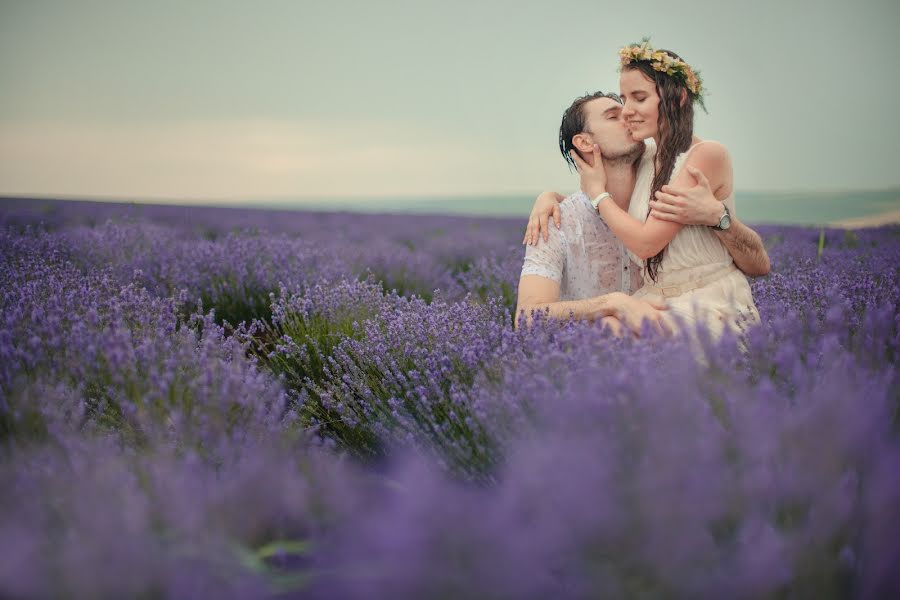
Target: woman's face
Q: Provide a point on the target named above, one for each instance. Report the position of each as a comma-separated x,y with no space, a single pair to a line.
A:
641,109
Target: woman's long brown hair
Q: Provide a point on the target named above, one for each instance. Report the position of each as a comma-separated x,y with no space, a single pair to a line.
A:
676,130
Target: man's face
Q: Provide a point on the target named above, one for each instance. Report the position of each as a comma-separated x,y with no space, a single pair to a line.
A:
604,126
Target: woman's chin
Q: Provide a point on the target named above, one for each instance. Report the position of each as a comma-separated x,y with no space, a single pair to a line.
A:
637,136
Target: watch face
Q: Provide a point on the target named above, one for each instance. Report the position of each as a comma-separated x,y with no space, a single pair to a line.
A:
725,221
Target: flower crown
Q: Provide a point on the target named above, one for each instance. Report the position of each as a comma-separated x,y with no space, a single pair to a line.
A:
664,62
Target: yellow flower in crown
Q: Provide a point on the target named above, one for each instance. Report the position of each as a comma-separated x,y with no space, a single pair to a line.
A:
662,61
693,83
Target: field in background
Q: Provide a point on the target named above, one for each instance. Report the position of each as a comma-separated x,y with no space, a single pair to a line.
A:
235,403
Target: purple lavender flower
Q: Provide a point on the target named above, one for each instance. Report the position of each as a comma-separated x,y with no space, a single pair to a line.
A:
147,449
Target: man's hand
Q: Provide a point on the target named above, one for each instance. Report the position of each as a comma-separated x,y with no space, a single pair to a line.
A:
593,177
632,312
545,206
689,206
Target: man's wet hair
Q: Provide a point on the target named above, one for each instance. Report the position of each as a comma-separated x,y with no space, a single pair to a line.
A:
573,121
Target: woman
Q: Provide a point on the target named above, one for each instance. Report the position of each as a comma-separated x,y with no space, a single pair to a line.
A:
686,266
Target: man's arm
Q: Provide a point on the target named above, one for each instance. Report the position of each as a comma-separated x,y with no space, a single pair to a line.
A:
746,248
698,206
540,294
539,284
539,290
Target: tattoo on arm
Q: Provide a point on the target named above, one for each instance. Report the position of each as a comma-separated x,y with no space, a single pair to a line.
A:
746,248
588,309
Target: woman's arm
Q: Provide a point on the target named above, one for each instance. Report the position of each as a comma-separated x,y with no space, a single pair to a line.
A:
545,206
644,239
648,238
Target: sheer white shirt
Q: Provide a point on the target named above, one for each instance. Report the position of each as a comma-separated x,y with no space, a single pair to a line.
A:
583,256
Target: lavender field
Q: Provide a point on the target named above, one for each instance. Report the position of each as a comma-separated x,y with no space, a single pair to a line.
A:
232,403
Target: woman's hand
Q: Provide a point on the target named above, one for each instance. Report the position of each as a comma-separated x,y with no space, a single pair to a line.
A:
545,206
593,177
688,205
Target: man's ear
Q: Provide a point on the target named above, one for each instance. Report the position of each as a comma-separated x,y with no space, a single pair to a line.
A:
583,143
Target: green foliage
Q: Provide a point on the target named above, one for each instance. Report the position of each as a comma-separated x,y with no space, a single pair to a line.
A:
297,349
268,562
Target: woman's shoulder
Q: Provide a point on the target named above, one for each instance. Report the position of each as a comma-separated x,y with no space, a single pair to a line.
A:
709,156
712,158
708,150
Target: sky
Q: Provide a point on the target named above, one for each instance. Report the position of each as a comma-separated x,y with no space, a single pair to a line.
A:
225,100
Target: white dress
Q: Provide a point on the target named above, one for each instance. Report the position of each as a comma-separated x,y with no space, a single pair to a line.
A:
695,258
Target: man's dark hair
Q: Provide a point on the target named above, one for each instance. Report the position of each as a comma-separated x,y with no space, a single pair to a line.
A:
573,122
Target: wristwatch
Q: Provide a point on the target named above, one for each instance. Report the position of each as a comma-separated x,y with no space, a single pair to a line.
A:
596,201
724,220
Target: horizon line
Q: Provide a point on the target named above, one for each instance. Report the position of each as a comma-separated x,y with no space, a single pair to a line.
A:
193,201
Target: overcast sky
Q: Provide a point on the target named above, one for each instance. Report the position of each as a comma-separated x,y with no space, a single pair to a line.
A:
193,99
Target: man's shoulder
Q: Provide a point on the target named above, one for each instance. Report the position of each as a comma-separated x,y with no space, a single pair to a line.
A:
578,212
575,203
574,210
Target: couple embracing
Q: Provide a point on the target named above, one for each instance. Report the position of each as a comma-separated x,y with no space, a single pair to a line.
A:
652,235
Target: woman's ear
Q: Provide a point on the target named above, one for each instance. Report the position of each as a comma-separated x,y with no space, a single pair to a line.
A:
684,97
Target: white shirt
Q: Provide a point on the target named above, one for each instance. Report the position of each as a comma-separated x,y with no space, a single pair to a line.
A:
583,256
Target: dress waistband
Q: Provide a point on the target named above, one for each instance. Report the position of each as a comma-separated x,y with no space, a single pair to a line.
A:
670,291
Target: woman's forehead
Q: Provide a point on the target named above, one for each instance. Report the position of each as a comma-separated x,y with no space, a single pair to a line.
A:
635,79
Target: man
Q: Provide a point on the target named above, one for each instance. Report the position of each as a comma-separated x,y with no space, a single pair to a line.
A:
580,269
